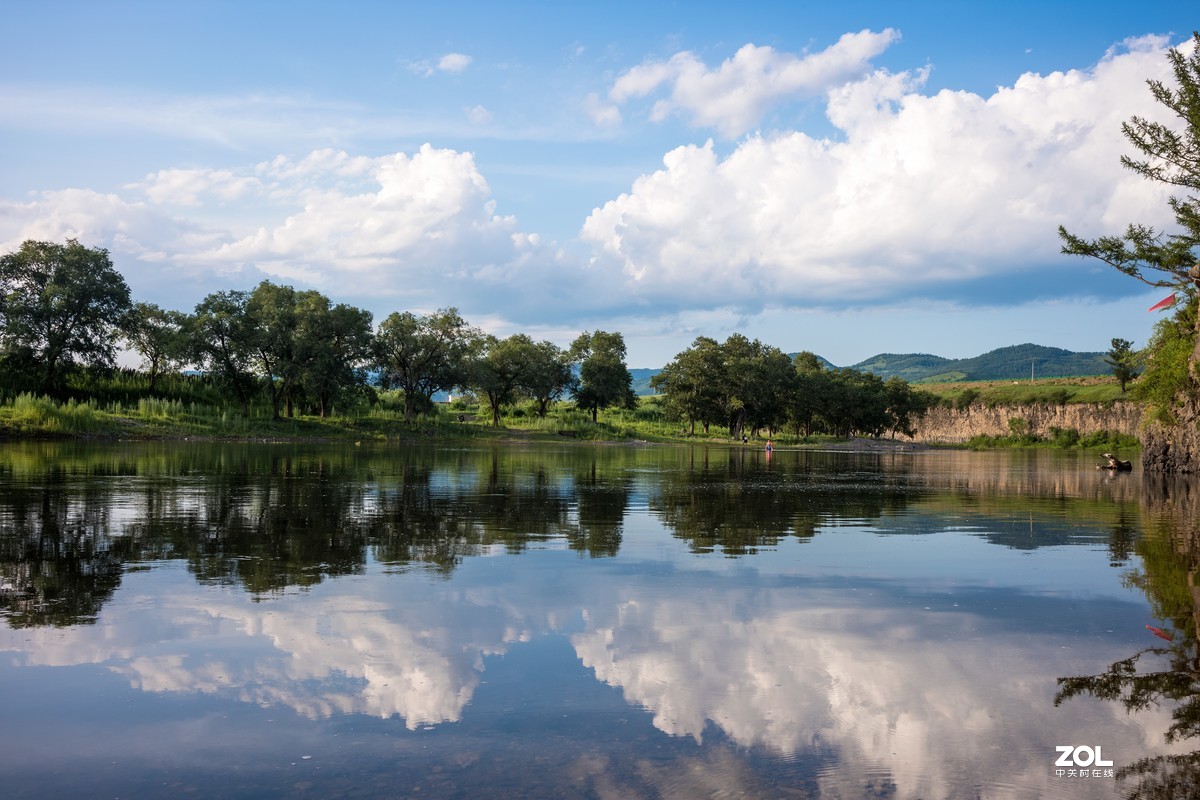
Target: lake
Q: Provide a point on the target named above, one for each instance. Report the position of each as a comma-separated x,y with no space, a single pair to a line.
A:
278,620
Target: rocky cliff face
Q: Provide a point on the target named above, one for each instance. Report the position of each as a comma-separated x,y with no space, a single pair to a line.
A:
1175,448
1164,449
954,426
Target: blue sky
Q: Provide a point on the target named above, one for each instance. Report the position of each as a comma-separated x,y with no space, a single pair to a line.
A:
848,179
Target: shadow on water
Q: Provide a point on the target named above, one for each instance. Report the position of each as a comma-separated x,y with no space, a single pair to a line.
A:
1168,675
644,622
269,517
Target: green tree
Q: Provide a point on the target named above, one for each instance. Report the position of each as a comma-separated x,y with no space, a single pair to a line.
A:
60,305
904,405
158,337
757,383
691,384
1166,377
811,395
423,355
497,371
223,342
1123,360
272,313
548,375
1168,155
604,380
334,343
861,403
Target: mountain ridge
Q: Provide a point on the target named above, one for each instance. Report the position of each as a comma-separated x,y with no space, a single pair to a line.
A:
1004,363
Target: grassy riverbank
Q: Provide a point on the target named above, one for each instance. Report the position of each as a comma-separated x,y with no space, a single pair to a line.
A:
30,417
1055,391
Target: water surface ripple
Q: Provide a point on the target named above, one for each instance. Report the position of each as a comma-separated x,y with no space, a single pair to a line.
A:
252,621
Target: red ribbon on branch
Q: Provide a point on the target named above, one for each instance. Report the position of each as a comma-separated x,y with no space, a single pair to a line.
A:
1166,301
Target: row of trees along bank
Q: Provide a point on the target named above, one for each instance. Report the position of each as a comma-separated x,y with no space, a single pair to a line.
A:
65,310
749,386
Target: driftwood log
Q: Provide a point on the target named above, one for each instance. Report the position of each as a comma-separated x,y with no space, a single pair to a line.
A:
1116,463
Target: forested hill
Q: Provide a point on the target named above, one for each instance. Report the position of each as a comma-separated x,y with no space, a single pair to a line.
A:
641,380
1003,364
1006,363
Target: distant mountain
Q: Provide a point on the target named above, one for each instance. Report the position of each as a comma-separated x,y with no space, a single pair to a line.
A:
912,367
1006,363
641,380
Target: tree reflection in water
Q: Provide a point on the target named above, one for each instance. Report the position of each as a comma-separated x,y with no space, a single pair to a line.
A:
601,501
735,502
76,517
1170,554
57,566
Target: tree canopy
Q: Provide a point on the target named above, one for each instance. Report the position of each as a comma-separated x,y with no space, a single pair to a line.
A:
65,305
604,380
691,383
223,343
59,307
1167,154
498,370
423,355
158,336
548,375
1124,361
747,386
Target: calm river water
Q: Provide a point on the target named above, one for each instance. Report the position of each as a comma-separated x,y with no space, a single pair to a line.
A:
260,621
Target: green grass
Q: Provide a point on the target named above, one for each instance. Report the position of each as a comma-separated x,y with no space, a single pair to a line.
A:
1051,391
1062,438
191,408
30,413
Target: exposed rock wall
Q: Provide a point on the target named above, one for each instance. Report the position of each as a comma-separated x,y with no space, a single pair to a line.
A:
954,426
1173,449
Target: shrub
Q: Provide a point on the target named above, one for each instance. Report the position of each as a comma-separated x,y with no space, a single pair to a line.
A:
1064,437
1109,440
966,399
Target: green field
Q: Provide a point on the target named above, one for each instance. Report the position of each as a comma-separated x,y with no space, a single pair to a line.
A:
1055,391
27,416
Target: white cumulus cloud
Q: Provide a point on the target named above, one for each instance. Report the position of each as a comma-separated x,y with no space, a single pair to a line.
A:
601,113
454,62
186,186
419,228
734,96
918,194
478,115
